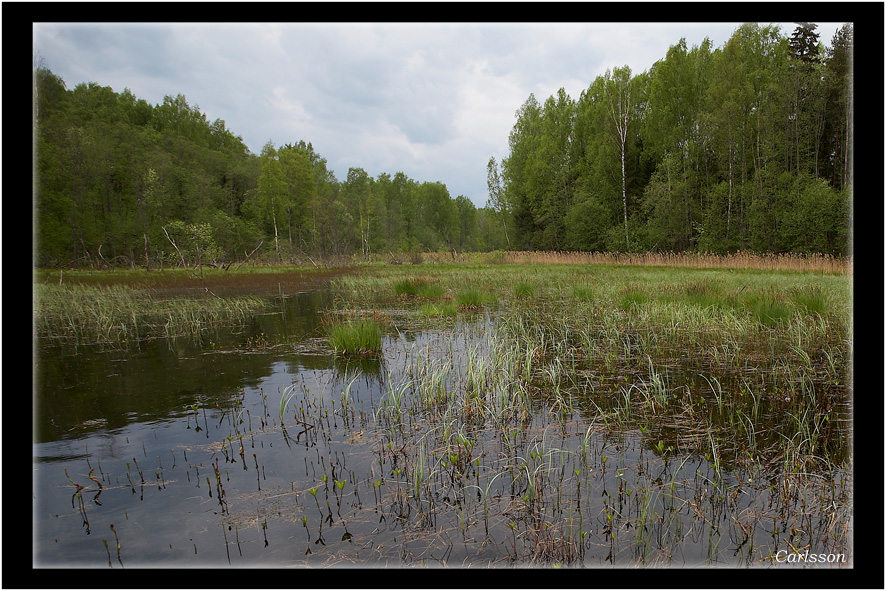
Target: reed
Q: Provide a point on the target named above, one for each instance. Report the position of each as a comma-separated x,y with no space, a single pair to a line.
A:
473,298
356,337
583,292
118,314
524,290
431,309
418,287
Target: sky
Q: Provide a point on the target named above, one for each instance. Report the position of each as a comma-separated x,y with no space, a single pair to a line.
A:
431,100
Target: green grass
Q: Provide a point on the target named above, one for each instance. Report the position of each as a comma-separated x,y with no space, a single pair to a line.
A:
418,288
810,299
473,298
119,314
359,337
524,289
407,287
632,298
768,309
583,292
703,293
443,309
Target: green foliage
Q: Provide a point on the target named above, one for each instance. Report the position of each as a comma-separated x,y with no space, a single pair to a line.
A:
737,148
473,298
361,337
586,224
113,171
431,309
195,243
524,290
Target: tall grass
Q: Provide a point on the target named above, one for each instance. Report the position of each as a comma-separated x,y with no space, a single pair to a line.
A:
362,337
432,309
524,289
810,299
653,391
816,263
418,287
117,314
768,308
471,297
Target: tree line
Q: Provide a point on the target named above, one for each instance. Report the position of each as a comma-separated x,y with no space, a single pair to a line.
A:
745,147
121,182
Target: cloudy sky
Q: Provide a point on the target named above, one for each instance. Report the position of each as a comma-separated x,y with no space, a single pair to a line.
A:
431,100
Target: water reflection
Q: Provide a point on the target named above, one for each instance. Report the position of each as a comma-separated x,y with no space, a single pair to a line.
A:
265,449
96,389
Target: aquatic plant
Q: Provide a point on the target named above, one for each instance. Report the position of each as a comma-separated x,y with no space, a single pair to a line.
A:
361,337
442,309
678,430
524,289
810,299
119,315
473,298
583,292
418,288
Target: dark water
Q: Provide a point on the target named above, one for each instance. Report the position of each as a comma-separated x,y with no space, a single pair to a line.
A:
147,424
177,452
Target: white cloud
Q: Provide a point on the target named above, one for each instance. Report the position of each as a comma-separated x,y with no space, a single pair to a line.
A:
433,100
487,104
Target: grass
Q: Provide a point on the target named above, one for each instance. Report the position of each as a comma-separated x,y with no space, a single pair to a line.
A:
432,309
524,289
359,337
470,297
118,315
810,299
631,298
418,287
618,428
583,292
768,309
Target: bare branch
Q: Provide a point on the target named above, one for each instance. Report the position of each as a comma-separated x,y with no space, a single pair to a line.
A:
171,241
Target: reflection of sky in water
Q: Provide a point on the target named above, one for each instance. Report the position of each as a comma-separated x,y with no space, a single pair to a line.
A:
119,414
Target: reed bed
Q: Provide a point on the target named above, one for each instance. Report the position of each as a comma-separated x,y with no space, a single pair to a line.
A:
820,263
735,341
817,263
516,425
116,315
592,414
356,337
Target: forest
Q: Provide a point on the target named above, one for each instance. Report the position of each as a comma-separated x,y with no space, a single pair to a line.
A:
746,147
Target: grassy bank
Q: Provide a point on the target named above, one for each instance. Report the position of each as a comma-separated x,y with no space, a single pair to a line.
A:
560,413
119,307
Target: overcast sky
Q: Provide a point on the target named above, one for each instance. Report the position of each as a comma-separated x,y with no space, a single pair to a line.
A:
431,100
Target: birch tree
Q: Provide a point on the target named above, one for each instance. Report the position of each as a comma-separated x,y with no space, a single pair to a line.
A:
618,94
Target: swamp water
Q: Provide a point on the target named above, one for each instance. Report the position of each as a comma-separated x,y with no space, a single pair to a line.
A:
263,448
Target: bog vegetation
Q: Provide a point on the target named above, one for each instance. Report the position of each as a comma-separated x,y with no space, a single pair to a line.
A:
654,305
558,413
712,150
